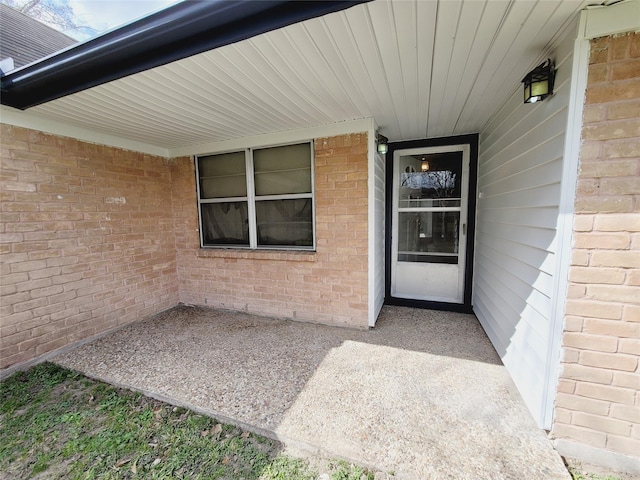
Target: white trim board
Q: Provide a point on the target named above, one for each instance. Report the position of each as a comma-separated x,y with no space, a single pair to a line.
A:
272,138
18,118
602,21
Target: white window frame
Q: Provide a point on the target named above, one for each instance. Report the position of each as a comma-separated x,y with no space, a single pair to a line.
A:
251,199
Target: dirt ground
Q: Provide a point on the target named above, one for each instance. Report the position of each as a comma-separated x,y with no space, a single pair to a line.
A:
598,472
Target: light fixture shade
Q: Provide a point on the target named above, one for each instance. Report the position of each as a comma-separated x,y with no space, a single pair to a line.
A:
538,84
383,144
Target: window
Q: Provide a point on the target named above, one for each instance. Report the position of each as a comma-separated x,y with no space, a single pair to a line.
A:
258,198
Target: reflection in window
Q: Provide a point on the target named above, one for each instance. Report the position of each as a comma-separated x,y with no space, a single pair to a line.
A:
270,208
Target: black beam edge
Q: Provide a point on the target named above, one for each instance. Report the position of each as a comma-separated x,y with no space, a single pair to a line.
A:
177,32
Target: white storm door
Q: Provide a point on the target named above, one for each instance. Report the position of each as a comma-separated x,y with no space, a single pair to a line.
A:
429,238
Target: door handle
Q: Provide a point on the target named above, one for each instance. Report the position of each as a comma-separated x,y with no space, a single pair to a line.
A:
464,228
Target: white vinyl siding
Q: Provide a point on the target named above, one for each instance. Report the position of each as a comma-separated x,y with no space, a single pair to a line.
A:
377,236
519,184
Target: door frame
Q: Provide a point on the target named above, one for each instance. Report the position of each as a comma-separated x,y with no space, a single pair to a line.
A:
472,141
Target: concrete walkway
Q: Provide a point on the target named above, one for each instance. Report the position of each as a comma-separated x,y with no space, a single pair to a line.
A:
423,395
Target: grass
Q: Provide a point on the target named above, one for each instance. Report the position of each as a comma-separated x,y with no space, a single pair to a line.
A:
56,423
577,474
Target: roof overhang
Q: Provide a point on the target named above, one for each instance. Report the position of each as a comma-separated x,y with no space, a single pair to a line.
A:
178,32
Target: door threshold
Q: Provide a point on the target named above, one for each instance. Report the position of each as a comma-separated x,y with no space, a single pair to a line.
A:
429,305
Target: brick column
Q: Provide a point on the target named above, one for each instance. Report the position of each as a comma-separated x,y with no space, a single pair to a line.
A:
598,402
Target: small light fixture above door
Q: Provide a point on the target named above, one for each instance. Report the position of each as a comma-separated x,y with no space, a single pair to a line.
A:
383,144
425,164
538,84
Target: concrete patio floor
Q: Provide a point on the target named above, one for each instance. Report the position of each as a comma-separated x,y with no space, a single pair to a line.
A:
423,395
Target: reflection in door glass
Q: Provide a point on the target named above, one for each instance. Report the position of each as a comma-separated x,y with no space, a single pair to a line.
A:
430,237
430,180
429,201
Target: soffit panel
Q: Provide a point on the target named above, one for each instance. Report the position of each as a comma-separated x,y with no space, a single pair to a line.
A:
421,69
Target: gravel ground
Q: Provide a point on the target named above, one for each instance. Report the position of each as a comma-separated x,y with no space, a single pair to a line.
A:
423,395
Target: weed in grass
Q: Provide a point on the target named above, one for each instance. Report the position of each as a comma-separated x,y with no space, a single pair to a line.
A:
58,424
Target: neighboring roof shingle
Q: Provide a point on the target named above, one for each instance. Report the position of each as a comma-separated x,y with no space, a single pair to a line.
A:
25,39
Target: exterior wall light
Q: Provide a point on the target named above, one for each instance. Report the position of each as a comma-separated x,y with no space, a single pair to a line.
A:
383,144
538,84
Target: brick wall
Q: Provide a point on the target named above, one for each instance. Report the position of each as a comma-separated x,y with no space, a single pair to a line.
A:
87,241
598,403
327,286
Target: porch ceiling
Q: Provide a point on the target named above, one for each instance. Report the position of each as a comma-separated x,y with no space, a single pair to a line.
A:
420,68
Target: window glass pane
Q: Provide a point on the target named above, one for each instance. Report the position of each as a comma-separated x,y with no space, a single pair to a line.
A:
428,237
430,180
285,222
222,175
282,170
225,223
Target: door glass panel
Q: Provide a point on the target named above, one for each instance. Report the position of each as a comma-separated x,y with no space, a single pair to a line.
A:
428,237
430,180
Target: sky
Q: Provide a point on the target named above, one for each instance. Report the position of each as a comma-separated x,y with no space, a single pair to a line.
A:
103,15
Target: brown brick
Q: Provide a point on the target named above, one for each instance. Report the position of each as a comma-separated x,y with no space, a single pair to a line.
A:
614,293
633,278
634,47
630,413
625,70
590,151
630,346
604,93
619,47
605,204
601,424
618,111
598,74
581,373
612,361
584,341
624,154
598,112
612,328
620,186
624,445
631,313
566,386
606,392
576,291
583,223
626,380
580,257
599,51
562,415
617,223
589,308
597,275
608,241
615,167
585,435
623,259
573,324
582,404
